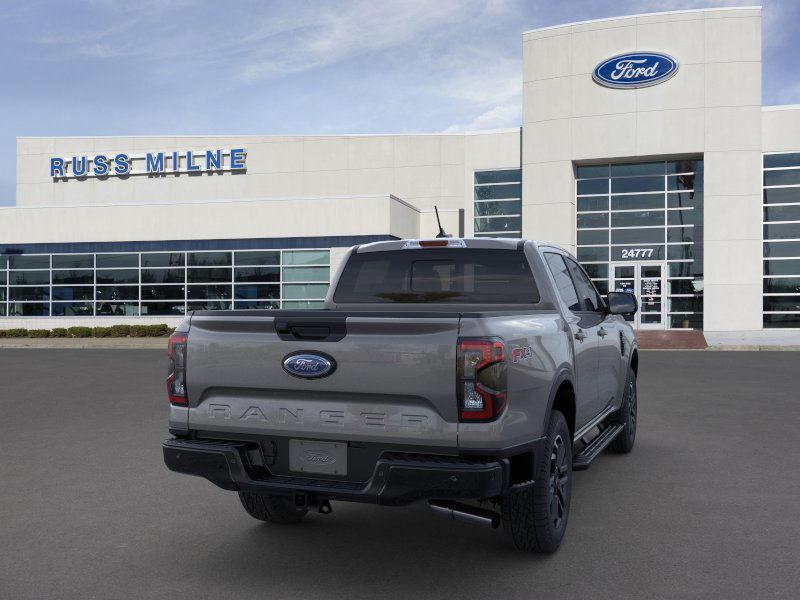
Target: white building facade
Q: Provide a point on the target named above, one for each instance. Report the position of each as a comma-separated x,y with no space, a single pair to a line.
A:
661,170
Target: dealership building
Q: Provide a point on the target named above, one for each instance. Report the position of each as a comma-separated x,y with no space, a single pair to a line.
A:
644,149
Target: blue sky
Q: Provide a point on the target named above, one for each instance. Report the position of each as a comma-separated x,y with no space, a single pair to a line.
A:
151,67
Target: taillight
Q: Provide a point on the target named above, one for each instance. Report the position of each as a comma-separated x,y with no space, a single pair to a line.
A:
481,371
176,374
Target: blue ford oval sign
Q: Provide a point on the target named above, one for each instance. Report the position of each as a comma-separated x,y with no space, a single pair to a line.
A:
308,365
635,70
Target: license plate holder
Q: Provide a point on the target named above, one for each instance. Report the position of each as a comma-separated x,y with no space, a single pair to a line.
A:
311,456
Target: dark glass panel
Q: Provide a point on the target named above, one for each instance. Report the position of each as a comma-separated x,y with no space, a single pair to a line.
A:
782,303
162,308
117,292
164,259
114,261
118,276
84,292
599,271
592,220
117,309
685,199
684,166
499,176
683,217
29,293
637,184
28,309
637,219
498,192
601,285
680,269
788,177
593,186
29,262
73,277
3,309
637,236
596,254
73,261
782,285
637,202
782,267
777,321
257,274
267,257
29,277
595,203
162,292
210,305
782,195
680,234
782,213
306,274
591,171
680,252
163,276
789,159
593,236
256,305
209,275
209,259
248,292
500,224
648,168
684,182
782,231
782,249
3,262
684,286
488,209
72,309
686,321
209,292
694,304
2,294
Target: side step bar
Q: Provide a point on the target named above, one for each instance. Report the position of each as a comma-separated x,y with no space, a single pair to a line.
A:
584,459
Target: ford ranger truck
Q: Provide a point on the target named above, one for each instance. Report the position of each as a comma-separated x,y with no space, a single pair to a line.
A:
473,374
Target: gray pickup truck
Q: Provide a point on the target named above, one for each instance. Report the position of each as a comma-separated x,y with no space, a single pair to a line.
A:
474,374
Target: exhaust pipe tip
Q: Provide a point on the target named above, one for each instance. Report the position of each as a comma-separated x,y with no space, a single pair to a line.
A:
458,511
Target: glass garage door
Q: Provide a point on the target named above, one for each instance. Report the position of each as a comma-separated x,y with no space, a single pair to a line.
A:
643,214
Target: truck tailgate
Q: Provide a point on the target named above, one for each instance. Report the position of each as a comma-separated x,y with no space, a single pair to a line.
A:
394,380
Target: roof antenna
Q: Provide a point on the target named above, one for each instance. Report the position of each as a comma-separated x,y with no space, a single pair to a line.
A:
441,233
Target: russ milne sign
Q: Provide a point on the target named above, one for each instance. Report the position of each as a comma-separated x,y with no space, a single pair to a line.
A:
635,70
151,163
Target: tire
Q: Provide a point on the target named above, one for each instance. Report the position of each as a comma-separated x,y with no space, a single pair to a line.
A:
275,509
535,516
627,415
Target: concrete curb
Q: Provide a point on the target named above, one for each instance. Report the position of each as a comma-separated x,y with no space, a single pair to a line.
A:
85,343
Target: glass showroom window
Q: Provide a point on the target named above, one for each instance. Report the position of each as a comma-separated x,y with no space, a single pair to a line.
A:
649,212
781,301
498,203
130,284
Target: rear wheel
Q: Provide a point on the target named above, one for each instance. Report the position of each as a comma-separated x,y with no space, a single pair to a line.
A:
535,516
623,443
275,509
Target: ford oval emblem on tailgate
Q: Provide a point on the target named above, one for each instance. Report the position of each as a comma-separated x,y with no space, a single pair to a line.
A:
308,365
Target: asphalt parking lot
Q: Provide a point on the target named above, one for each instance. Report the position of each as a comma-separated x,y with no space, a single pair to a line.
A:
707,505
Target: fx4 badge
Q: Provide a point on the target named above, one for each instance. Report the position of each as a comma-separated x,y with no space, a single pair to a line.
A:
521,353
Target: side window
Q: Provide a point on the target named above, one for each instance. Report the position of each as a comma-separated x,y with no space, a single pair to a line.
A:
588,295
563,281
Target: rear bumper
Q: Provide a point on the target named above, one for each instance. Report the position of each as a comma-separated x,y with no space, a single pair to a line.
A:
397,479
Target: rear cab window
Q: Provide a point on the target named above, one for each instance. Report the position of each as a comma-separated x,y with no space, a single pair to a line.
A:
438,275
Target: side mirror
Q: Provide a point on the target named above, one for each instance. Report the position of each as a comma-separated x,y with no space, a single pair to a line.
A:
621,303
